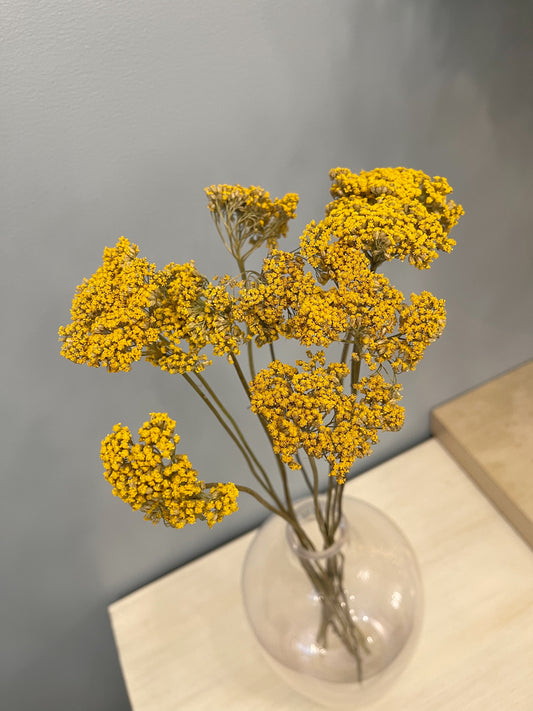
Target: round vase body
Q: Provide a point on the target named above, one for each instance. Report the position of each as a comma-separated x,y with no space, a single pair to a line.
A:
376,590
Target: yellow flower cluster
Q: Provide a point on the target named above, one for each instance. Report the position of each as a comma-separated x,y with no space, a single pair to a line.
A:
388,213
328,291
287,301
188,314
421,323
248,217
382,326
178,347
402,341
218,319
109,324
362,307
369,301
150,476
305,407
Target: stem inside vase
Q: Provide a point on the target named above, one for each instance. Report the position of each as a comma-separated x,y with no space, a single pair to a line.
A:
324,566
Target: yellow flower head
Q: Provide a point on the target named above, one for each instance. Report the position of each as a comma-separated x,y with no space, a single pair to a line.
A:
287,301
247,217
421,323
387,213
109,324
368,300
218,318
178,346
189,313
305,407
153,477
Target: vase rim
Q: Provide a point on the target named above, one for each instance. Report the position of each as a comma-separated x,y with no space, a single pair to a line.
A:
305,511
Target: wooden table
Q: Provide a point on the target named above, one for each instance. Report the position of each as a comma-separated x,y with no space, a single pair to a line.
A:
184,643
489,431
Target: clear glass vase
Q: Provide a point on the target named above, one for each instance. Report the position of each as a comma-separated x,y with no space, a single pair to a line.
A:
337,624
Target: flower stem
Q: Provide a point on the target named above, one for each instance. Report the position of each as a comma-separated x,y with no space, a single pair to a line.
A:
318,512
228,430
329,502
251,492
249,344
356,365
244,442
272,352
328,583
345,349
305,474
279,462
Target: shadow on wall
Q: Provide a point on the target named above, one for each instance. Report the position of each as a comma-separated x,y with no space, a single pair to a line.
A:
90,675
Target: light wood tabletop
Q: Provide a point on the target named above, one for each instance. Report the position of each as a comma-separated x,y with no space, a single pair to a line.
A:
489,431
184,643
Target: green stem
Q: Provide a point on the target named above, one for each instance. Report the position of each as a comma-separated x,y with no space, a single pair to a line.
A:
329,503
281,466
279,462
217,226
338,508
345,347
234,243
249,344
335,607
267,483
226,428
356,365
305,474
251,492
318,513
251,366
272,353
241,376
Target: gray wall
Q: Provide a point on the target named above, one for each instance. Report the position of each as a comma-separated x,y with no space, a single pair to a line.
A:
115,116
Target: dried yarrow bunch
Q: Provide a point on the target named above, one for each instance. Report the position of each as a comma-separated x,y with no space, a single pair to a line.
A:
325,292
326,295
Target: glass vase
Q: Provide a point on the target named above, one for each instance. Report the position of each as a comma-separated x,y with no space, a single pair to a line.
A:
338,624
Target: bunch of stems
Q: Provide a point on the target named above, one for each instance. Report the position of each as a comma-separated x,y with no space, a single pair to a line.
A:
327,577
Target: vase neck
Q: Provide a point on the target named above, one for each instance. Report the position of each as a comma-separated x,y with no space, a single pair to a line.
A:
321,549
